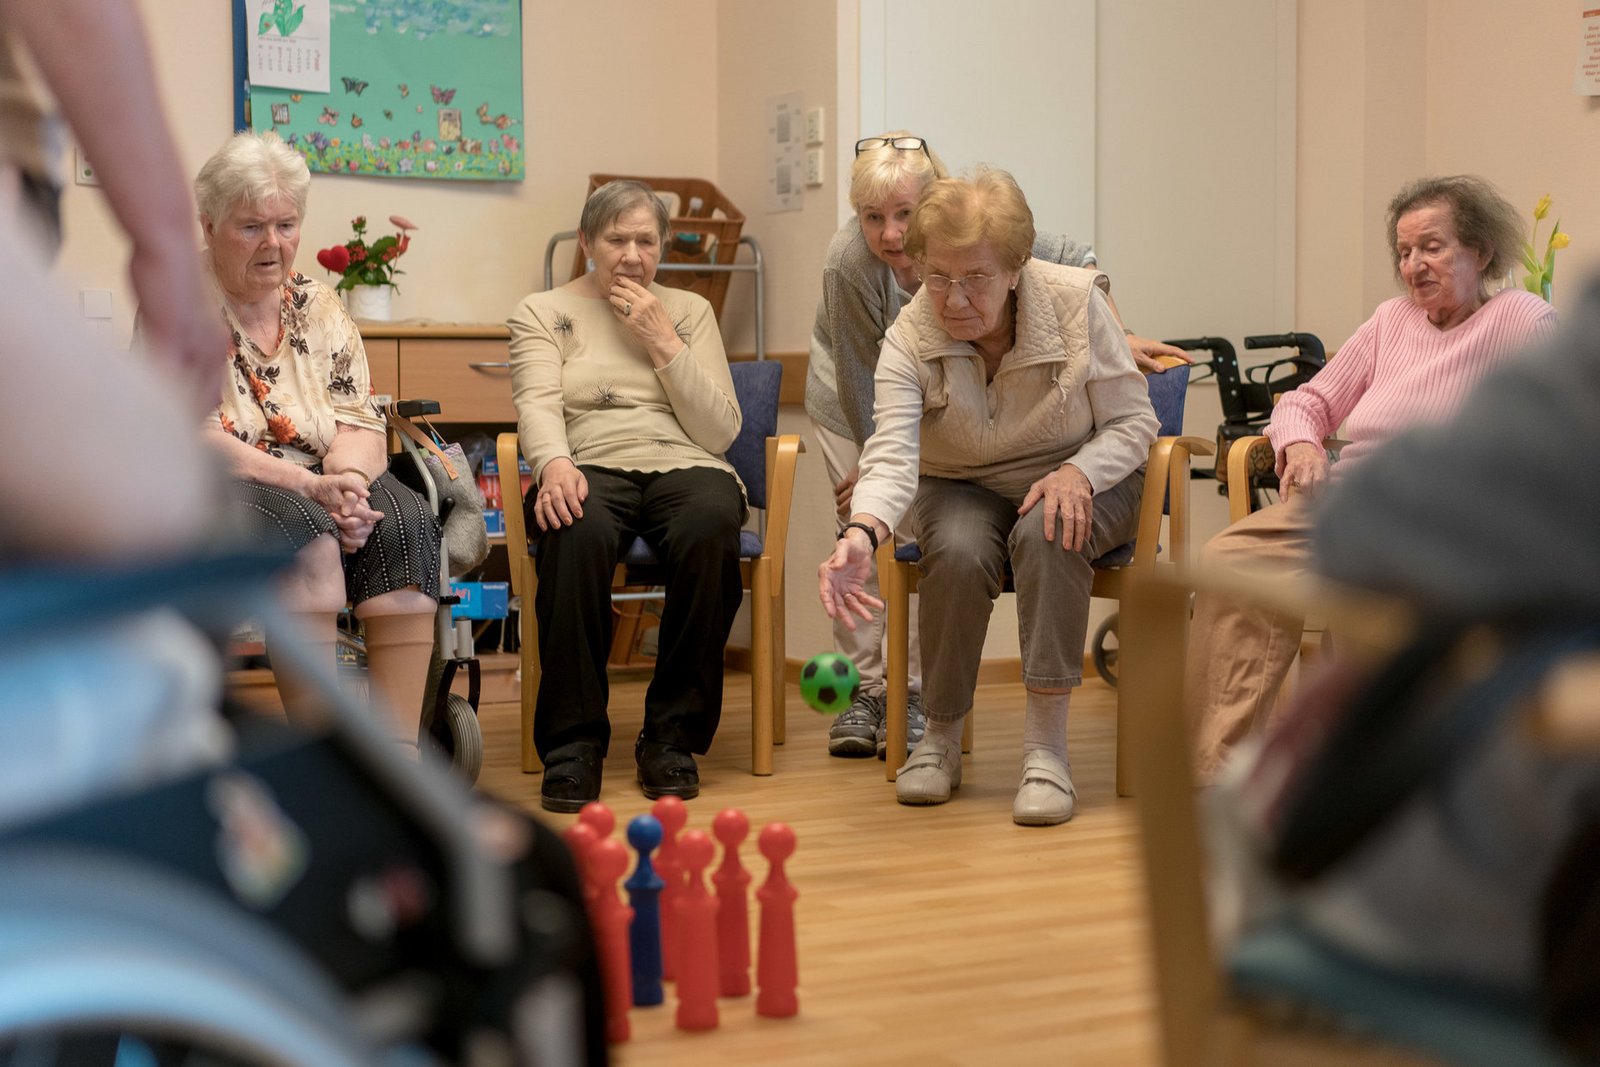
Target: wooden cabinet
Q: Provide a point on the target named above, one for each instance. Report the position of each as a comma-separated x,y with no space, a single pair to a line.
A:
466,368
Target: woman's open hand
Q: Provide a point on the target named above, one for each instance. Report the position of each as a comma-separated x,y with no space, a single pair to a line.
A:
1068,500
842,578
562,491
1305,470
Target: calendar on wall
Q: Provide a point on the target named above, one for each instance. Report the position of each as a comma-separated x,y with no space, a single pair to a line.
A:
386,88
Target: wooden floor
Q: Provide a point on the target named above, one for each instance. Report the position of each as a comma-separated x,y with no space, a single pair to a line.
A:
926,936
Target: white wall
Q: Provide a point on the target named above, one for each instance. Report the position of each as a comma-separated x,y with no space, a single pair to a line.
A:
981,91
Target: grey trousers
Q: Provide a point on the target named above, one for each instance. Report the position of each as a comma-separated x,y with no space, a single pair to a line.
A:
967,535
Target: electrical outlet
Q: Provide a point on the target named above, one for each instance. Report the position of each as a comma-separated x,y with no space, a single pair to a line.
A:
813,166
814,126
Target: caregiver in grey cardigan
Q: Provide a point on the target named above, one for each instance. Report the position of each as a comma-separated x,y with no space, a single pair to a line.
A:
1011,422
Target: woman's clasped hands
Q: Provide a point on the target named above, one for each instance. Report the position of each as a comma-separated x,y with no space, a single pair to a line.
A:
344,496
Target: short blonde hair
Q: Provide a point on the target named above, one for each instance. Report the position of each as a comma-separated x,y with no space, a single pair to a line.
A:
878,172
986,206
248,170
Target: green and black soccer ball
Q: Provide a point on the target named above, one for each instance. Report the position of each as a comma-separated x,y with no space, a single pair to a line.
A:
829,682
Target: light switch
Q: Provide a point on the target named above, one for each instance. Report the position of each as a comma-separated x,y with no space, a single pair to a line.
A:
815,127
813,166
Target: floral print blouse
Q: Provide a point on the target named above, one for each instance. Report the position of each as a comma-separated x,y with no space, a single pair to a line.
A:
289,402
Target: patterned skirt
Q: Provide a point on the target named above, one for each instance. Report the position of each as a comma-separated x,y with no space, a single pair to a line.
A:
403,550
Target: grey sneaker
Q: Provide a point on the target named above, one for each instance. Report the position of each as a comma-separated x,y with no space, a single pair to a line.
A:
854,732
916,726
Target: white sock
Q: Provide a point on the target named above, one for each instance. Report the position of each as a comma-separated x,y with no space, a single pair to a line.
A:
950,731
1044,726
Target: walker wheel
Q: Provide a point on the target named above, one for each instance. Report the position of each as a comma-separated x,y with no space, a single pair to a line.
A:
459,736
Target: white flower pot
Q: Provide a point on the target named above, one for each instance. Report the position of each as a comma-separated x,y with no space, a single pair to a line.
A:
370,302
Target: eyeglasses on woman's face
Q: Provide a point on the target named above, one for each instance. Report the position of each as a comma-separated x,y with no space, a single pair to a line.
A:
902,144
969,284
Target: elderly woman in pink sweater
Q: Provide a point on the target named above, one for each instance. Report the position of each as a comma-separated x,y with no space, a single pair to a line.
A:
1415,360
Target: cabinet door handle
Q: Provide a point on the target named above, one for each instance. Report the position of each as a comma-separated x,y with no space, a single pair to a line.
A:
491,366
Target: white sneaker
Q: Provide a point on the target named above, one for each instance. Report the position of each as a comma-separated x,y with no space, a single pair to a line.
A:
1046,796
931,771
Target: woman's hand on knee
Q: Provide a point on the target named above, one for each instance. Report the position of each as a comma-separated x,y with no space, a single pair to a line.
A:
562,491
1068,501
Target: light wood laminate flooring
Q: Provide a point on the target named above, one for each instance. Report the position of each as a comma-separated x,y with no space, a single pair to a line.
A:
928,936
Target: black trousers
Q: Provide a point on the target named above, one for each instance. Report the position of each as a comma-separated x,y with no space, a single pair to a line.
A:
691,518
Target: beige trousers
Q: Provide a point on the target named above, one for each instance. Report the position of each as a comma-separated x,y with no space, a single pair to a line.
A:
1239,656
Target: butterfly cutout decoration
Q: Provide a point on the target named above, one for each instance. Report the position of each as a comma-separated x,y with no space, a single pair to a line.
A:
353,85
442,96
355,121
388,114
405,90
329,116
499,122
295,97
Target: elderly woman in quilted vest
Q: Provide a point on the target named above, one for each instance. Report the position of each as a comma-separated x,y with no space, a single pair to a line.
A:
1012,420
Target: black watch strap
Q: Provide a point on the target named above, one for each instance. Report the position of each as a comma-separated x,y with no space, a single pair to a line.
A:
872,535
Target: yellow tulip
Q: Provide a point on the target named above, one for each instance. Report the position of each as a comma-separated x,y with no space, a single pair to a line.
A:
1560,240
1543,207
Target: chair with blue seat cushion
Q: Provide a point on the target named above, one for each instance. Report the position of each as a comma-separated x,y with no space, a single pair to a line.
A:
765,463
1166,492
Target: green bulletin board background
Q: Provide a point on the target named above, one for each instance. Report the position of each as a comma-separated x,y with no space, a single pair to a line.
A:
420,89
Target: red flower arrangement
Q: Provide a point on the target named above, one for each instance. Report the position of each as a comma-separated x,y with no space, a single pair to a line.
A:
363,264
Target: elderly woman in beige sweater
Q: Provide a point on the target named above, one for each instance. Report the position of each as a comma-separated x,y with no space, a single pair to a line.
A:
624,409
1012,420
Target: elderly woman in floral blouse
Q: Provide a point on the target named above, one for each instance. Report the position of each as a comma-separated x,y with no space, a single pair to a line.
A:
298,427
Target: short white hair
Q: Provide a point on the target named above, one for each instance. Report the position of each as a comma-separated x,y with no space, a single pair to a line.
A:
247,171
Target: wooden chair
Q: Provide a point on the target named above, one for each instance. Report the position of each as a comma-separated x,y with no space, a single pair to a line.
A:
1205,1018
765,462
1166,492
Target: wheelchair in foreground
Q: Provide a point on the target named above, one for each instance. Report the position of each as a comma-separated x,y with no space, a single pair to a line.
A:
310,897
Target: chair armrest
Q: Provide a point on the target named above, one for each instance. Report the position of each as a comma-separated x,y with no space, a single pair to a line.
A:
506,450
1166,478
783,457
1239,476
1179,521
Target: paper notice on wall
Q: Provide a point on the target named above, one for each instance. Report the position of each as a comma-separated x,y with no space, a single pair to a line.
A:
289,44
1586,76
785,153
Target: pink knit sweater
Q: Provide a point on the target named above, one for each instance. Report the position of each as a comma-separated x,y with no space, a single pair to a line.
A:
1399,370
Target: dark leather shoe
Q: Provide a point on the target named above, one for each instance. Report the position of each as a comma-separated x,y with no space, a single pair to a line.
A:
571,779
666,771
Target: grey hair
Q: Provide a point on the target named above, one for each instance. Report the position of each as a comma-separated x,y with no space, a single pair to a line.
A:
1484,220
248,170
614,198
877,172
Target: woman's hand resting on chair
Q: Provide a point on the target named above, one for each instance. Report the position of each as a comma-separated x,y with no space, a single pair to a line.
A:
1305,470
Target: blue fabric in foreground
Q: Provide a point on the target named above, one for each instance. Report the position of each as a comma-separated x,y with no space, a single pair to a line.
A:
1466,1025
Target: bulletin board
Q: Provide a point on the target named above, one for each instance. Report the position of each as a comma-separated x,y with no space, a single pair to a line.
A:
417,89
